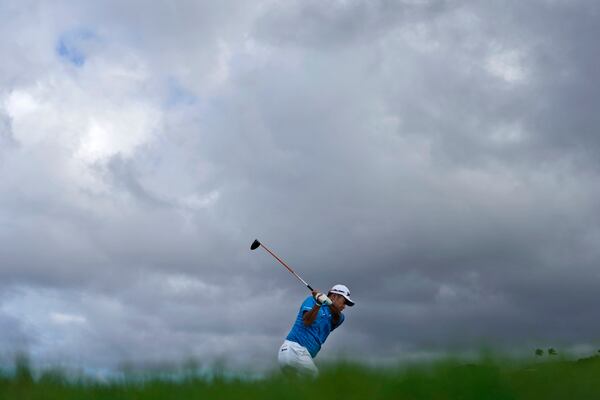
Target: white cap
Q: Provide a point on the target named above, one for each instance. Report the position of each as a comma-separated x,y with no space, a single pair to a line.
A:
344,291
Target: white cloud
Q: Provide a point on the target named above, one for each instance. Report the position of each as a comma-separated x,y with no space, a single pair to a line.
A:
23,109
61,318
87,113
507,65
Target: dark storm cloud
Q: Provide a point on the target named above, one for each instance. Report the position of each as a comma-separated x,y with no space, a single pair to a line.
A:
439,158
327,26
448,230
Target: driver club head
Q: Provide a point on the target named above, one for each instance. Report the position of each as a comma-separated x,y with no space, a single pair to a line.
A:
255,244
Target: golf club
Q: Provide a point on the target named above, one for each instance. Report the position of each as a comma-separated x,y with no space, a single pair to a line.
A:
256,244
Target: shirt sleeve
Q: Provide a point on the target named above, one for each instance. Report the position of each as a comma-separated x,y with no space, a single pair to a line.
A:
308,304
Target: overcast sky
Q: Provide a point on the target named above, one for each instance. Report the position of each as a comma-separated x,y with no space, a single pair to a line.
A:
440,158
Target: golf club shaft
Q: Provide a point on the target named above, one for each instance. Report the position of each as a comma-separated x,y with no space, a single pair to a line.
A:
285,265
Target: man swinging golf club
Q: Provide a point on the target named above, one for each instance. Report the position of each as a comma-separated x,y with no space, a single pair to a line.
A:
318,316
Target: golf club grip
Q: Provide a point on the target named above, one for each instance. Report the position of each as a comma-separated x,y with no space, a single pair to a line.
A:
310,288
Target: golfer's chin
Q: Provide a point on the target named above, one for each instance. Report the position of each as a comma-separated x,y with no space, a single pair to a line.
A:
340,308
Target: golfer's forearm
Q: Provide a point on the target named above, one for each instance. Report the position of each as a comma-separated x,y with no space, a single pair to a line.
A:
336,316
310,316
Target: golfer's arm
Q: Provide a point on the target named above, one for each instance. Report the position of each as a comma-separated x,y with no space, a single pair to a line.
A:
309,316
336,315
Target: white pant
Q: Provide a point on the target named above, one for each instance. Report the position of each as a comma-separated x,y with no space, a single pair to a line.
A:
295,358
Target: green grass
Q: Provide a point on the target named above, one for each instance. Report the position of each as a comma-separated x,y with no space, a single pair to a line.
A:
450,379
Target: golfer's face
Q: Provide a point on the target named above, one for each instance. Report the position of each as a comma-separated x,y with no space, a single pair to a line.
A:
339,301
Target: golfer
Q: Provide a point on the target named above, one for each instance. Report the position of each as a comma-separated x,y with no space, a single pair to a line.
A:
318,316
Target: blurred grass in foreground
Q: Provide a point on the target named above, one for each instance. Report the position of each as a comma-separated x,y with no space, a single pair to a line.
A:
450,379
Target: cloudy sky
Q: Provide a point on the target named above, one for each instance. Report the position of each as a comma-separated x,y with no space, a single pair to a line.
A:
441,158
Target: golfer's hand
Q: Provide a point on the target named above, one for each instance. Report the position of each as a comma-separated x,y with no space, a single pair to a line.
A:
321,299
